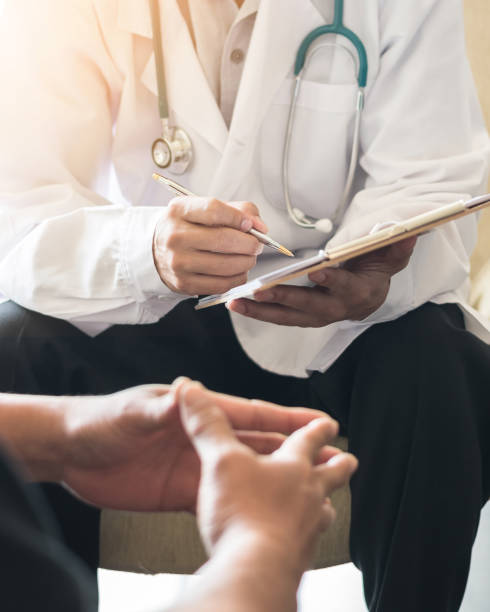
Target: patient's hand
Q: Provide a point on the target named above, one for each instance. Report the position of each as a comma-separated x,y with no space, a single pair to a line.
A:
278,502
130,451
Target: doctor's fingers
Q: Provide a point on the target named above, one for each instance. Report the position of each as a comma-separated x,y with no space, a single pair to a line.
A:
398,255
277,313
250,208
358,293
213,239
389,260
209,212
211,264
202,284
301,306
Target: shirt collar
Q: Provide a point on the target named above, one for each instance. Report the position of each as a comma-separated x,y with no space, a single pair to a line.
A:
249,7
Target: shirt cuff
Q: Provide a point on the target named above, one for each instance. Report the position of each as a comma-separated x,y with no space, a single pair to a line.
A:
137,263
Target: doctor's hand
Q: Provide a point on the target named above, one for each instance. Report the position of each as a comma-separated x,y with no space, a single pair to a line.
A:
279,502
352,292
201,245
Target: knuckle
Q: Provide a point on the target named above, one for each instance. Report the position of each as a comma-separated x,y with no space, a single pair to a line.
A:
338,312
239,266
216,286
364,294
246,264
175,239
214,210
222,242
182,284
174,209
221,286
250,245
318,321
227,460
176,261
202,423
240,280
192,392
250,208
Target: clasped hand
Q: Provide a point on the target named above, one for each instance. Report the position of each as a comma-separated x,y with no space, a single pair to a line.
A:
160,447
132,450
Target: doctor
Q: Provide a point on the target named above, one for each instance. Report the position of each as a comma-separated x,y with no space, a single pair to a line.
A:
99,283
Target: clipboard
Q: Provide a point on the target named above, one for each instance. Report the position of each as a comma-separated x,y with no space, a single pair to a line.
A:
414,226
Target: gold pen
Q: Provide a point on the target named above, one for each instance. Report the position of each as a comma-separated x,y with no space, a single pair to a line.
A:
263,238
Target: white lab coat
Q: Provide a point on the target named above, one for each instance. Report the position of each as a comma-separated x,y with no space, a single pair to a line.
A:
78,94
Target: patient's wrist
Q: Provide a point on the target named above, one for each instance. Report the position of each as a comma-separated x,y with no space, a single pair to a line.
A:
283,555
248,571
33,432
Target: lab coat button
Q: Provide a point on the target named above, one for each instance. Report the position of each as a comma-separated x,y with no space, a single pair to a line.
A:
237,56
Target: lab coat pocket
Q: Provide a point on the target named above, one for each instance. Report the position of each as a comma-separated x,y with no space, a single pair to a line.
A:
320,146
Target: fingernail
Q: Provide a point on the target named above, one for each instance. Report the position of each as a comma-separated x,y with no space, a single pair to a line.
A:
318,277
336,459
260,248
264,296
246,225
237,306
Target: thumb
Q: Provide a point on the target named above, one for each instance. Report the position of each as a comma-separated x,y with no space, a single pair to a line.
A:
399,253
206,425
389,260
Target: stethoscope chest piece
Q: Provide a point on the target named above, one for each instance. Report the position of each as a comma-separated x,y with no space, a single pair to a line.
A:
173,150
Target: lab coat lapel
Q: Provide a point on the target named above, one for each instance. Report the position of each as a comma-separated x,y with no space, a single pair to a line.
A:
134,16
191,101
279,30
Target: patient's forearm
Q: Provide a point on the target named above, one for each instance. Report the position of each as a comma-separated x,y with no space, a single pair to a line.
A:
32,430
246,577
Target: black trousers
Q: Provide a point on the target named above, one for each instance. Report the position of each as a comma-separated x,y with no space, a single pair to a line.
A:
412,395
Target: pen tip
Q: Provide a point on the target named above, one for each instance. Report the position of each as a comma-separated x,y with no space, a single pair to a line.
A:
286,251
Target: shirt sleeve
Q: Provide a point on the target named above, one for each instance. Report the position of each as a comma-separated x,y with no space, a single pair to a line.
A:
38,571
423,144
66,251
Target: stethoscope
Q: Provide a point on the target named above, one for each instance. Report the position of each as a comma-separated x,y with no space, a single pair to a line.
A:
174,150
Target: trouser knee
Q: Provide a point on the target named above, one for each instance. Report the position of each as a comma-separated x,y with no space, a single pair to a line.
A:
31,355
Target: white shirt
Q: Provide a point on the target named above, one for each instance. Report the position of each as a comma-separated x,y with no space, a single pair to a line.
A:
79,96
221,34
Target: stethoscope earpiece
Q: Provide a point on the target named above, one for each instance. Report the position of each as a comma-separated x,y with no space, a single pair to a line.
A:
322,225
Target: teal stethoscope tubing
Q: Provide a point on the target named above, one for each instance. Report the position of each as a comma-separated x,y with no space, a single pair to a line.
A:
337,28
